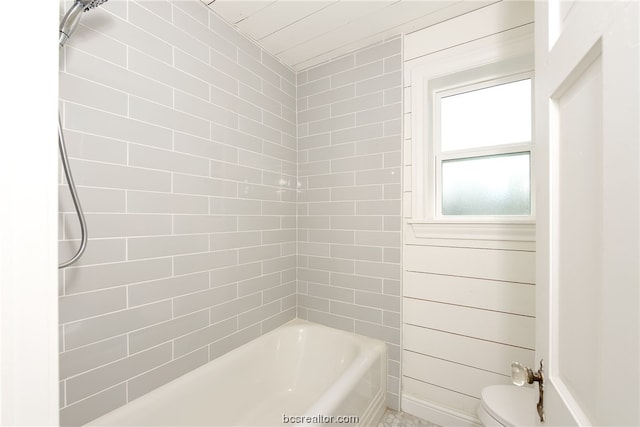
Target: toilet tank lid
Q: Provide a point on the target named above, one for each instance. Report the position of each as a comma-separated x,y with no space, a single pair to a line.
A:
512,406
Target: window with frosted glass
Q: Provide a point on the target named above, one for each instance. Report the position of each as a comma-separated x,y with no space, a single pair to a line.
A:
487,185
483,148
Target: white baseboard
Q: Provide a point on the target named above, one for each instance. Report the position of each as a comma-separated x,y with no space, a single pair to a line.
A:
437,414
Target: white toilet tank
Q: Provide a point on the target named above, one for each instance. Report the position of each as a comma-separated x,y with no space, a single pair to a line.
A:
508,406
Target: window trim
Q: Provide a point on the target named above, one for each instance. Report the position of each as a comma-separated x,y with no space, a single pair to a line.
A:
507,46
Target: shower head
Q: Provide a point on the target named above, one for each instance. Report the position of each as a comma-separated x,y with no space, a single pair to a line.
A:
72,18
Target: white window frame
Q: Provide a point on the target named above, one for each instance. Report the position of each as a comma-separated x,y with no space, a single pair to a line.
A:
436,156
505,59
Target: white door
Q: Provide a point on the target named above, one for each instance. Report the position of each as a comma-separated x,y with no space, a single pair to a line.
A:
588,211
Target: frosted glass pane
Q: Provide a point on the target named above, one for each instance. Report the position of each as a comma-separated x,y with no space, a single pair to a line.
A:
493,116
488,185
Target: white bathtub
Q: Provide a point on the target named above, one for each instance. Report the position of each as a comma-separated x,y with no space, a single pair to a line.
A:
301,369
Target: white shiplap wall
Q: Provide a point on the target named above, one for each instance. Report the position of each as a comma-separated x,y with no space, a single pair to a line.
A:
468,301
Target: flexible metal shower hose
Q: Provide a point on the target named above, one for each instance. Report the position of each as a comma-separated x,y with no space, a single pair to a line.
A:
74,197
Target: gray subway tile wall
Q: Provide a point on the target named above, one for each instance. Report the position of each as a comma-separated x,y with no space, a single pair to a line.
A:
349,142
219,204
182,137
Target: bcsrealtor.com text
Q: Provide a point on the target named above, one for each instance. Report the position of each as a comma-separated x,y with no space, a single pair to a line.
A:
320,419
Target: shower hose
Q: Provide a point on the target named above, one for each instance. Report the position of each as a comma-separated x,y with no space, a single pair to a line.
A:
74,196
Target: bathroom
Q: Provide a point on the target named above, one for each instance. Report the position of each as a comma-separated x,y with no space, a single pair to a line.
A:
232,186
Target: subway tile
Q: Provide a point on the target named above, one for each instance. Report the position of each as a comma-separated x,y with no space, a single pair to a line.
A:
279,292
279,319
361,192
233,36
356,104
333,123
153,202
226,311
92,356
314,141
238,239
392,255
331,292
190,184
333,208
205,336
90,304
314,87
232,68
378,145
344,179
117,78
383,270
234,341
331,152
318,249
260,161
356,222
100,251
331,96
258,314
200,300
203,71
375,207
356,74
91,382
235,273
359,133
255,97
152,336
393,96
278,67
88,331
314,303
393,127
392,159
233,103
109,125
119,225
365,253
233,138
379,51
154,247
161,375
257,284
99,404
192,263
205,148
375,84
314,114
260,222
157,114
279,95
154,158
332,67
357,163
93,147
190,224
351,281
230,206
160,8
157,290
378,238
331,264
385,302
380,114
86,92
192,44
255,66
331,320
279,152
258,129
99,45
379,332
353,311
195,112
95,277
148,66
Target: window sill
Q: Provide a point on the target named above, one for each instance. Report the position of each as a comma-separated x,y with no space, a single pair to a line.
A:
515,231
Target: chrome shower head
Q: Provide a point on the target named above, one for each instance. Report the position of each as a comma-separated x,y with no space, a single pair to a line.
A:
72,18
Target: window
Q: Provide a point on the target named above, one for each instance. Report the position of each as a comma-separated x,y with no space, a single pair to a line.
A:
477,145
482,148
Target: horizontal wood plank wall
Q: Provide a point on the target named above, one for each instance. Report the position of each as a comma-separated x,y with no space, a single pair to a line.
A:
468,303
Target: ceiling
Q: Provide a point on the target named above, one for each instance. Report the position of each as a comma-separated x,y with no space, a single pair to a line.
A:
304,33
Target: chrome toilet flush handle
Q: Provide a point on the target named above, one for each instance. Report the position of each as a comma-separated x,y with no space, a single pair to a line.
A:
521,375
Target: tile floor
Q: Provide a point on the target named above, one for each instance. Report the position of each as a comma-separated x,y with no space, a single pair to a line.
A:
393,418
